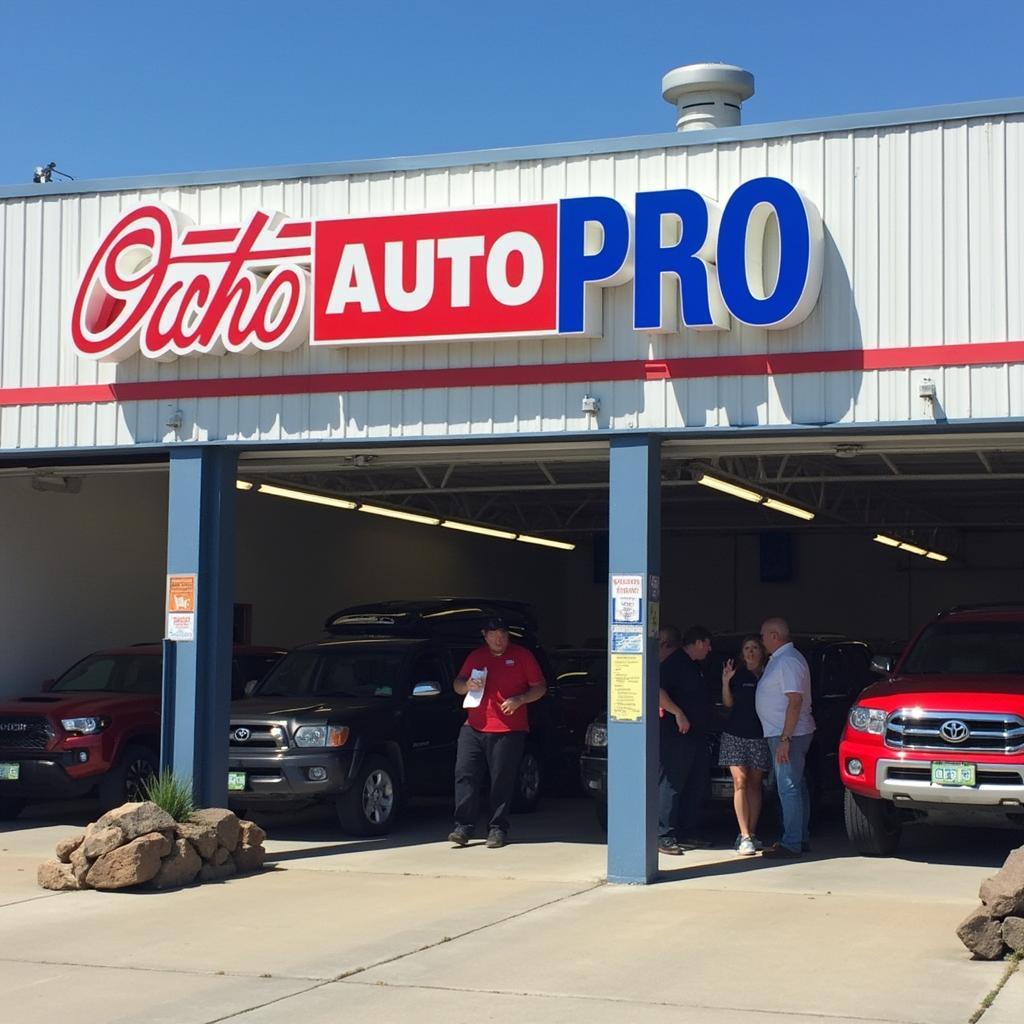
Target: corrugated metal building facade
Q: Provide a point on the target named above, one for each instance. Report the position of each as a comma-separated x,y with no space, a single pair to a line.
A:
924,256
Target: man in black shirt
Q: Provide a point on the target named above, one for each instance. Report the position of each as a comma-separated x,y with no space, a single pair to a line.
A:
685,716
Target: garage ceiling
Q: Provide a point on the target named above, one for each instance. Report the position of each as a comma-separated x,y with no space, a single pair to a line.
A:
927,489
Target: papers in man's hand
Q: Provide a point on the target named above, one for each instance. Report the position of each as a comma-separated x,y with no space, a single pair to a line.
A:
474,698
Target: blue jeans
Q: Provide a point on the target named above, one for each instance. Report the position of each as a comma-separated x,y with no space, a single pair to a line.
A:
793,794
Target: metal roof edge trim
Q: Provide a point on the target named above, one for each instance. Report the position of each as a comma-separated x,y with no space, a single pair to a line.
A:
590,147
888,427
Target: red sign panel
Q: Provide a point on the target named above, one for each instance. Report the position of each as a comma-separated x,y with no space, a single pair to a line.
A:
425,275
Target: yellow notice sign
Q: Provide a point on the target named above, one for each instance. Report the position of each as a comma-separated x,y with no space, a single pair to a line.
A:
626,702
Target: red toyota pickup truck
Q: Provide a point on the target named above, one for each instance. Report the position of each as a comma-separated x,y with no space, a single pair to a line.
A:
96,728
941,739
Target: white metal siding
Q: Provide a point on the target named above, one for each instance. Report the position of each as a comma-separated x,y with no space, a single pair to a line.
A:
924,246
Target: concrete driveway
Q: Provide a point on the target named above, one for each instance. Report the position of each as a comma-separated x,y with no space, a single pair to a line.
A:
407,927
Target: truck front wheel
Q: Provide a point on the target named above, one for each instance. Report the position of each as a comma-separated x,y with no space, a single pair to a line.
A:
127,780
369,807
871,825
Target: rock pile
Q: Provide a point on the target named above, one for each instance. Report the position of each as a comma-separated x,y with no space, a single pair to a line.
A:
997,926
141,845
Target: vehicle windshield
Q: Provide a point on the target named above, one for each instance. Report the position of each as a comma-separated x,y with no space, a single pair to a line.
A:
113,673
969,648
354,673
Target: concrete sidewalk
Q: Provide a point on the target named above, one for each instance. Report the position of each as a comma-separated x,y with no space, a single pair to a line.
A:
407,927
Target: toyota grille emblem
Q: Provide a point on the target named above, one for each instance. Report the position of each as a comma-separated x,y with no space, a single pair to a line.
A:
242,734
954,731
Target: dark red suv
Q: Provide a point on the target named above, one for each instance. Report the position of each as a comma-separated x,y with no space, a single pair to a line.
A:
97,727
941,738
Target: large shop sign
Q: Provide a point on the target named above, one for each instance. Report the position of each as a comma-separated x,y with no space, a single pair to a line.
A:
159,285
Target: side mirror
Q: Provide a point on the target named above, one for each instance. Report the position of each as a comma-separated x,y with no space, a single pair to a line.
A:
427,690
250,687
881,664
48,685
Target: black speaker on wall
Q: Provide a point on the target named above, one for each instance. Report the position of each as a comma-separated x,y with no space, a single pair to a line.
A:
776,551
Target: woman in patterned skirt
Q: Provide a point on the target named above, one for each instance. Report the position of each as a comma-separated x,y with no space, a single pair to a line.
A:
743,748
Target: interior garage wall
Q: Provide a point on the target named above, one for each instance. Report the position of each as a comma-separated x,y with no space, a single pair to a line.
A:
297,563
843,583
78,572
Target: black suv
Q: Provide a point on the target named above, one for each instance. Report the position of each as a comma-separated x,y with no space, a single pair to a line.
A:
369,717
840,669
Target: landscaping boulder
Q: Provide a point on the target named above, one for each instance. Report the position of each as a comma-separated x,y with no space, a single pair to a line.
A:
249,857
66,847
250,834
982,934
217,872
1003,893
1013,933
179,867
220,856
80,865
223,821
202,836
136,819
99,841
53,874
127,866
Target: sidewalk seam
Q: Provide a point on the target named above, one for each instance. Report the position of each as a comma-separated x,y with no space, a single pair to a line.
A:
345,975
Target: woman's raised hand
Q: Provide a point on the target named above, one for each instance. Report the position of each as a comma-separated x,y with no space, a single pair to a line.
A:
728,671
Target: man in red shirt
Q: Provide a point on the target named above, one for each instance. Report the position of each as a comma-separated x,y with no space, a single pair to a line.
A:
501,678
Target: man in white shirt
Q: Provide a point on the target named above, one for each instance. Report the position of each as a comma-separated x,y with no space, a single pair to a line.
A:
783,702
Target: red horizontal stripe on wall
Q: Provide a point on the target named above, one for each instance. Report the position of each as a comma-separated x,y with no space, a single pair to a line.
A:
912,357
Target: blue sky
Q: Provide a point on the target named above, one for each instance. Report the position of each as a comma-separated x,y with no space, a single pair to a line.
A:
114,89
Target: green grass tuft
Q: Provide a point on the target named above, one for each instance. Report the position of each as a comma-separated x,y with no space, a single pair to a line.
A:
172,794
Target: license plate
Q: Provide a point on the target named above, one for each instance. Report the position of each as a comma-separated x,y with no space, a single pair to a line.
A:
236,781
951,773
10,772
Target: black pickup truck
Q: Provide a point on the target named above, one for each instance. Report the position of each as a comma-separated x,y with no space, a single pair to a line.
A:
368,718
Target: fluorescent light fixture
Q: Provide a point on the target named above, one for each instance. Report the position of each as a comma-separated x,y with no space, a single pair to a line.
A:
243,485
314,499
728,488
912,548
887,541
790,510
450,524
394,513
527,539
936,557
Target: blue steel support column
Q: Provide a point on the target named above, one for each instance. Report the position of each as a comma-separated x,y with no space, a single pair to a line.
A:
634,539
201,540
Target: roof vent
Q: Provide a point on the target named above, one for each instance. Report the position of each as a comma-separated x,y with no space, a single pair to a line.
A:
707,95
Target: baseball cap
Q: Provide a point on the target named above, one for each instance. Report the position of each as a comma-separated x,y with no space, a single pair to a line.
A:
495,622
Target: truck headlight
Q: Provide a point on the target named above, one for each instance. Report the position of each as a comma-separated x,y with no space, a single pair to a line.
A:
867,719
85,726
596,736
321,736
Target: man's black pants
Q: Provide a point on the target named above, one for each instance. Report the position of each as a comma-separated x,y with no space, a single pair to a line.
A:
682,782
497,754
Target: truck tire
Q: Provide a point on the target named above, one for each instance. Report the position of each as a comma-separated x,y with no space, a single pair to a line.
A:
126,781
370,806
529,779
10,809
871,825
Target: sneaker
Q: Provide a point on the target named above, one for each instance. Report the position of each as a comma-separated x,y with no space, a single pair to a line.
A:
669,847
746,847
758,845
459,836
495,839
736,843
780,852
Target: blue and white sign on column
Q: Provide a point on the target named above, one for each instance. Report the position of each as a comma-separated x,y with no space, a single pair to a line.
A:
627,599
